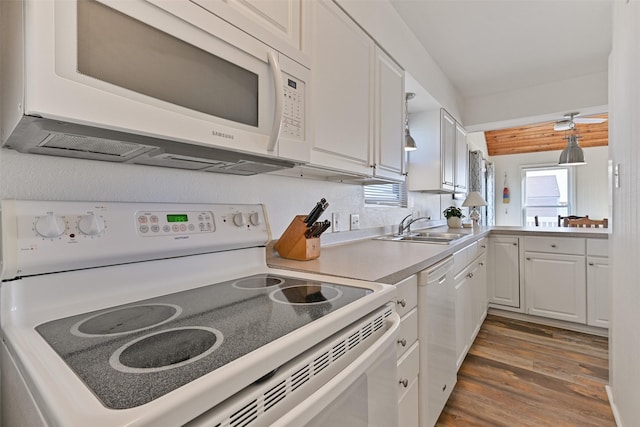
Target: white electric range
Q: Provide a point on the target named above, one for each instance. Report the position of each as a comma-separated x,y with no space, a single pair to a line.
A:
155,314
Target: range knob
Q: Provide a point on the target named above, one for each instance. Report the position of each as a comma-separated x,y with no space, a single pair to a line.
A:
254,219
50,226
91,224
238,219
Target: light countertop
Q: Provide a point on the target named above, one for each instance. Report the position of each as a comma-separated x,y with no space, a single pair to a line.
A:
390,261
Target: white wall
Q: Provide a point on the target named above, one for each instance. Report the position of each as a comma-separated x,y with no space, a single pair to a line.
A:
624,243
36,177
587,94
592,188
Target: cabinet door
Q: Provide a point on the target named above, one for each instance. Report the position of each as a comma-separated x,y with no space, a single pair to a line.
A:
503,278
448,142
342,72
389,150
464,314
274,22
598,291
556,286
479,286
462,159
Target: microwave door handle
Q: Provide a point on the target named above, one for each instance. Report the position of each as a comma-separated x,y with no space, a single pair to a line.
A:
277,117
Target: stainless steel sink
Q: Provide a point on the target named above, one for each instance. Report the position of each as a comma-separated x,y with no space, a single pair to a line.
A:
425,237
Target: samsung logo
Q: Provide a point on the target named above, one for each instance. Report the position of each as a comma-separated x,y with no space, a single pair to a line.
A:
222,134
181,237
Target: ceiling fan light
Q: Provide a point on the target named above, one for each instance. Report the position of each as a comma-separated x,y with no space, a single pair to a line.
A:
572,154
563,125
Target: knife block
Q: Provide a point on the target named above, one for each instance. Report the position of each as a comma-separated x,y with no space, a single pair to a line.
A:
293,244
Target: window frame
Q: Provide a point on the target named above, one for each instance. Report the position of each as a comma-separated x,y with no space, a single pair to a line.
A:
571,187
396,197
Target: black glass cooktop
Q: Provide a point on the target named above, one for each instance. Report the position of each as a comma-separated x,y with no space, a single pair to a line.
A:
132,354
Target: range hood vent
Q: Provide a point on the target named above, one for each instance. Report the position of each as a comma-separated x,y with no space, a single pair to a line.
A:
37,135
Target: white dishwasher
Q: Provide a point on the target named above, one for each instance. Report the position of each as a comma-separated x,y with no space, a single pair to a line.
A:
436,328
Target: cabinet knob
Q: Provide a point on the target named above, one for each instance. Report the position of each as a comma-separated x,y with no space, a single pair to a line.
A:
514,244
470,275
591,264
402,342
405,383
402,302
553,245
528,258
481,264
483,246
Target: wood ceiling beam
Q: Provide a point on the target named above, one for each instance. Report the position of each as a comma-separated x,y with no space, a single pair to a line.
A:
541,137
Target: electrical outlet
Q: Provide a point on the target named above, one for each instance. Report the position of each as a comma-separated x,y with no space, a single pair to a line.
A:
335,222
355,222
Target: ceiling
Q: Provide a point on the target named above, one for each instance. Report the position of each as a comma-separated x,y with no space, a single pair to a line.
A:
492,46
542,137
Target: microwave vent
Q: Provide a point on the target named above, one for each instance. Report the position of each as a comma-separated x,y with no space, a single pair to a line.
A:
90,145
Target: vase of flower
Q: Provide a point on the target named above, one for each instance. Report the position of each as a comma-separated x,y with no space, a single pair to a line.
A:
454,217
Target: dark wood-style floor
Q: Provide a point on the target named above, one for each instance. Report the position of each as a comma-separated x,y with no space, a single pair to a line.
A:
520,374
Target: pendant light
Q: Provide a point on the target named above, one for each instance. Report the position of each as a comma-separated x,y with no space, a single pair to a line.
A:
409,143
572,154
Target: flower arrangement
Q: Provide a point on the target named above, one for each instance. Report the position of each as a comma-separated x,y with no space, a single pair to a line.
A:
452,211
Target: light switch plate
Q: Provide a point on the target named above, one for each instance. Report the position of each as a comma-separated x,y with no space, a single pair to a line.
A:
335,222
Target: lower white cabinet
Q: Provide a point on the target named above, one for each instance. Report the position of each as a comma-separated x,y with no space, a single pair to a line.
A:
503,273
556,286
408,351
598,291
408,395
470,287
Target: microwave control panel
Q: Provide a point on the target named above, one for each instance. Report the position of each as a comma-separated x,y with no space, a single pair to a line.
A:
293,111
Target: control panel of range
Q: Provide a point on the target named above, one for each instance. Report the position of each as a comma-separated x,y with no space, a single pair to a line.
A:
43,236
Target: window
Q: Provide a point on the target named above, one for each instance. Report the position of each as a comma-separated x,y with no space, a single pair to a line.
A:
392,194
547,193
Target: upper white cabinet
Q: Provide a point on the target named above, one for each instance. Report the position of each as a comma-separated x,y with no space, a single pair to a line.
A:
357,98
278,23
388,156
440,162
461,165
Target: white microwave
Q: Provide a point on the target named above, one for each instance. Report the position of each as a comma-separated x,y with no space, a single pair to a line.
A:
156,82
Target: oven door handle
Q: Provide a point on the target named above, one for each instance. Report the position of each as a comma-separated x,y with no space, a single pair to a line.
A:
323,397
279,92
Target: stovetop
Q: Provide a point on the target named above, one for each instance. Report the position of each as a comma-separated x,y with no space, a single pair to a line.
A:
134,353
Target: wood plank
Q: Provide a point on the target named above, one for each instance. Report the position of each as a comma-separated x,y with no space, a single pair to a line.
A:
523,374
541,137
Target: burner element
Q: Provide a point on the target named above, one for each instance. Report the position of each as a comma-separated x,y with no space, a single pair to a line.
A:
306,294
260,281
126,320
166,349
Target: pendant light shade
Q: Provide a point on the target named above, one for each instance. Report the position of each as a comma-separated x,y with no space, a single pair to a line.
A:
409,143
572,154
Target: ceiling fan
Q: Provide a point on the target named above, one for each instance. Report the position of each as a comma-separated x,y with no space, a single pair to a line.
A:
570,120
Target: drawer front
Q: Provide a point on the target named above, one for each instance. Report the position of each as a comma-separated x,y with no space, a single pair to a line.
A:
555,245
408,406
598,247
408,333
408,367
482,245
463,257
406,295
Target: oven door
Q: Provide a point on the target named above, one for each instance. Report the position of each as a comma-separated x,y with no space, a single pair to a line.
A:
362,395
165,69
348,380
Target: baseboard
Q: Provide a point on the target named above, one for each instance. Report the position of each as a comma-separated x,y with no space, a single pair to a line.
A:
577,327
614,408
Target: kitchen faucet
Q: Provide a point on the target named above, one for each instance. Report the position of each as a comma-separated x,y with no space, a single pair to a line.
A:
402,227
